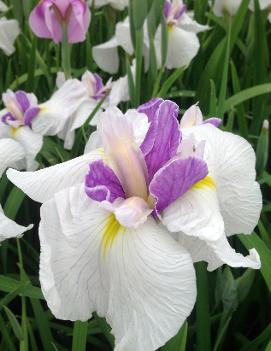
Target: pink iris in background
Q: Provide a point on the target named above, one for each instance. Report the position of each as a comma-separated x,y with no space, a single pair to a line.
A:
52,18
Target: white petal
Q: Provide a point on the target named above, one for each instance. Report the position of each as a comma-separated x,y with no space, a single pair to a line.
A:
124,37
12,154
269,17
83,112
32,144
70,237
9,228
9,30
106,56
231,161
226,7
219,252
263,4
94,142
188,24
196,213
60,79
44,183
144,284
182,47
3,7
192,117
56,111
119,91
140,124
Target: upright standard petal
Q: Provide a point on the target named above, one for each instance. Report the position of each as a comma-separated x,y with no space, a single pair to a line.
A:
78,277
9,30
10,229
106,56
44,183
163,138
231,161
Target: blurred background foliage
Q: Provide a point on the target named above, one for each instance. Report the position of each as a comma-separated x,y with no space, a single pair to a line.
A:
231,79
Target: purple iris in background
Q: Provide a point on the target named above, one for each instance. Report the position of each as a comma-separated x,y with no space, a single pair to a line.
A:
52,18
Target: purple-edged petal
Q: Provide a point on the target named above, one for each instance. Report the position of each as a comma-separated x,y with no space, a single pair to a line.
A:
102,184
78,21
53,24
22,100
167,8
163,139
214,121
30,115
150,108
175,179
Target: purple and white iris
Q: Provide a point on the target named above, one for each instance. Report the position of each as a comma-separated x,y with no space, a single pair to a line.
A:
109,94
52,18
183,43
110,219
19,144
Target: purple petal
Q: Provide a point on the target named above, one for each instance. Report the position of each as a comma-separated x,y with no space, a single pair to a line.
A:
22,100
30,114
102,184
175,179
79,21
180,12
37,20
214,121
7,117
167,8
163,138
150,108
53,24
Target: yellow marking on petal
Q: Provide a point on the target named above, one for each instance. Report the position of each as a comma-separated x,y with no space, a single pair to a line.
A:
111,230
13,131
205,182
170,27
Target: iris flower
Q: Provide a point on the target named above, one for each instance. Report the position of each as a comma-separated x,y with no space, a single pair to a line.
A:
52,18
110,94
183,43
23,122
109,220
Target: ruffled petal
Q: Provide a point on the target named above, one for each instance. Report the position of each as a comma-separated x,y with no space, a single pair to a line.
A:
218,252
191,215
44,183
231,161
143,283
188,24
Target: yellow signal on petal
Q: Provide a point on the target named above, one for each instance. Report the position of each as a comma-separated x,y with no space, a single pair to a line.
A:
13,131
111,230
207,182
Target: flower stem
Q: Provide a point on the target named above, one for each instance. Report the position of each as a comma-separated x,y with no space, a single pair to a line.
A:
66,54
203,326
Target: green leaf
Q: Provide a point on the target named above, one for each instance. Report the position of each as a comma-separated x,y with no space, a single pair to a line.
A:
17,330
9,285
253,241
178,343
170,81
79,340
246,95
